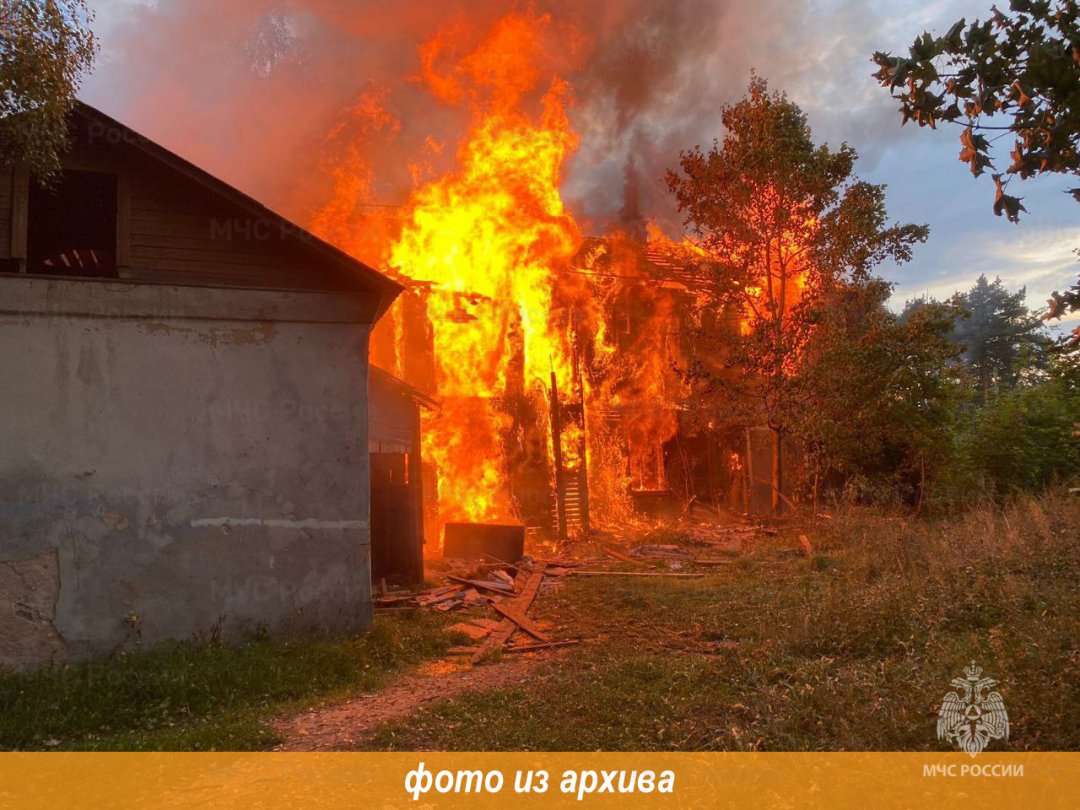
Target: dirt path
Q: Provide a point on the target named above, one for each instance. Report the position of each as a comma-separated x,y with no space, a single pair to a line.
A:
347,725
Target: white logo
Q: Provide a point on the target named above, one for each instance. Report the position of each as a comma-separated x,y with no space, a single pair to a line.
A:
970,719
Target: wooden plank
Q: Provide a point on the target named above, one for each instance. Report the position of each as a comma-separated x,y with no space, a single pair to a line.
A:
577,573
483,586
520,648
625,558
439,595
20,211
523,622
215,276
123,222
519,605
549,645
210,254
7,174
529,591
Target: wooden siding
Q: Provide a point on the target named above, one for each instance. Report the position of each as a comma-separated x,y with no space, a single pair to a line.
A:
6,180
174,229
180,231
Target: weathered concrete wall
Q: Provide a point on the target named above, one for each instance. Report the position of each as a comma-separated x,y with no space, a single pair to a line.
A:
196,466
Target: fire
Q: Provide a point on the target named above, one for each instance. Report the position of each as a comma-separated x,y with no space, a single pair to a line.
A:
489,237
508,302
786,271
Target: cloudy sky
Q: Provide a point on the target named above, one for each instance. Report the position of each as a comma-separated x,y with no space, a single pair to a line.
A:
650,79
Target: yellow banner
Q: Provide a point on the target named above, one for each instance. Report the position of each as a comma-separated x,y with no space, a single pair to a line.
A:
434,780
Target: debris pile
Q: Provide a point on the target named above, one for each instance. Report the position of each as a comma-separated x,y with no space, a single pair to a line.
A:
499,594
507,590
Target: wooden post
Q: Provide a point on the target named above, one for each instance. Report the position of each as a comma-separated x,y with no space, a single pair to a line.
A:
583,486
556,442
416,486
123,225
749,471
778,471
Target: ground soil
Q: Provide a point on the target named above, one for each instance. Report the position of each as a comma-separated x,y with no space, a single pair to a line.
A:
345,726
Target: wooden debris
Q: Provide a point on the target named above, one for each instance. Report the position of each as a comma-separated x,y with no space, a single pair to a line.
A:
519,605
501,576
634,574
472,598
392,601
663,552
519,648
806,546
489,585
549,645
616,555
438,594
521,621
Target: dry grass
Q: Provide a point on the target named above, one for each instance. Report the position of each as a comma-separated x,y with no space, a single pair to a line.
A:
850,650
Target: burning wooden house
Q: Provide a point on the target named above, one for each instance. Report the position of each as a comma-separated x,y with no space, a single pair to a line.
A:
604,433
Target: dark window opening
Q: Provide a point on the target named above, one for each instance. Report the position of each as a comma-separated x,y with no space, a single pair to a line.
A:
72,226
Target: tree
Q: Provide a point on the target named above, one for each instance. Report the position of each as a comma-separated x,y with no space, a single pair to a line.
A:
875,397
46,47
778,220
1024,441
1022,68
1001,339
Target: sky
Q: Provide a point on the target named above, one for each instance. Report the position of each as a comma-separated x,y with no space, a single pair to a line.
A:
650,77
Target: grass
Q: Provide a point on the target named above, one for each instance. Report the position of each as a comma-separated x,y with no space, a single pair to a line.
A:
850,650
202,697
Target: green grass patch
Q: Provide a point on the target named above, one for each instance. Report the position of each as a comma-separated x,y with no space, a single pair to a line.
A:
202,697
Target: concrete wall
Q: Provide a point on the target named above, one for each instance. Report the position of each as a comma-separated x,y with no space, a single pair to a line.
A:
177,462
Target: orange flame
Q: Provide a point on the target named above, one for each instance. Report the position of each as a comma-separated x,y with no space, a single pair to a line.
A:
484,248
489,237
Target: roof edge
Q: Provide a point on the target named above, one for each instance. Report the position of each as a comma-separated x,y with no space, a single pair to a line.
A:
386,286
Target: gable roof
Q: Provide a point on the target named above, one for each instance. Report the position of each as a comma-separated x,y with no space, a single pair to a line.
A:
384,286
379,376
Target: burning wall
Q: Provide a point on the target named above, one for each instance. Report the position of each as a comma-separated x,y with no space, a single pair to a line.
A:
502,297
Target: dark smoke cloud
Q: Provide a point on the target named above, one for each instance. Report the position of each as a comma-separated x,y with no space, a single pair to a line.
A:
250,88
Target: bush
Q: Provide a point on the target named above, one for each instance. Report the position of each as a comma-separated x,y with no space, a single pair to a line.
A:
1021,442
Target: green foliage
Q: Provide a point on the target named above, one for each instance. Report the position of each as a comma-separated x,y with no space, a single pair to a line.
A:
1003,342
1022,441
781,220
876,395
46,47
201,696
1022,66
1061,303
